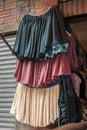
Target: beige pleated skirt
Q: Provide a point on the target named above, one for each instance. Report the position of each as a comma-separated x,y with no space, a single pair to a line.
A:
36,107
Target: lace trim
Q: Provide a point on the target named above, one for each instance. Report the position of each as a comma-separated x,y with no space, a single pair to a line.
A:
56,48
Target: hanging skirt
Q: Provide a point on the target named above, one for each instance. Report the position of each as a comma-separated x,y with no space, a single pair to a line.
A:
38,74
41,37
36,107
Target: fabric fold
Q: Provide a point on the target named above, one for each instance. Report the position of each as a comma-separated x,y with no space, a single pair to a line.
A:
41,37
42,74
36,107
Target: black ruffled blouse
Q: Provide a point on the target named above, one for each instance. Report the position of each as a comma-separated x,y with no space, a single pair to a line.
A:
41,37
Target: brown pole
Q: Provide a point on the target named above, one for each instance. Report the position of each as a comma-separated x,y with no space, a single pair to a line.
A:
8,45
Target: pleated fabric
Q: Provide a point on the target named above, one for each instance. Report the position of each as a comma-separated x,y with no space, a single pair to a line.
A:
36,107
39,74
70,109
41,37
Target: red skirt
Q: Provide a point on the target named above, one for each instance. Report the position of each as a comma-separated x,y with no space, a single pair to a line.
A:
38,74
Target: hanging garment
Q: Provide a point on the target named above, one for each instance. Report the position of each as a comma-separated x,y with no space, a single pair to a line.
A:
71,53
42,74
42,106
41,37
36,107
69,106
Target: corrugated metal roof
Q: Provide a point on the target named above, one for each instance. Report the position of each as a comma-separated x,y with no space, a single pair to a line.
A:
7,85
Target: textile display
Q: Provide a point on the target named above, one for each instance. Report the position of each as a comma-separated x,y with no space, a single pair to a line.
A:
39,74
36,107
46,57
41,37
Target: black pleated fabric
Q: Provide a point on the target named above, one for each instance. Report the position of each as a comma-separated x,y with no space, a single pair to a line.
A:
41,37
69,105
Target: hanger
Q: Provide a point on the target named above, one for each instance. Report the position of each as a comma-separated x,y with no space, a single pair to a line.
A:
68,33
68,29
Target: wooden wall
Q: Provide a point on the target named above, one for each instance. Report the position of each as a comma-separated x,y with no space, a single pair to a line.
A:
73,7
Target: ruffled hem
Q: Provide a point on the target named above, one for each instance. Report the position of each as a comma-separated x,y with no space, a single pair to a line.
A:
36,107
49,53
42,74
55,49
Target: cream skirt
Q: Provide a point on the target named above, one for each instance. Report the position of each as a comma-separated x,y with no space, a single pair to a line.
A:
36,107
